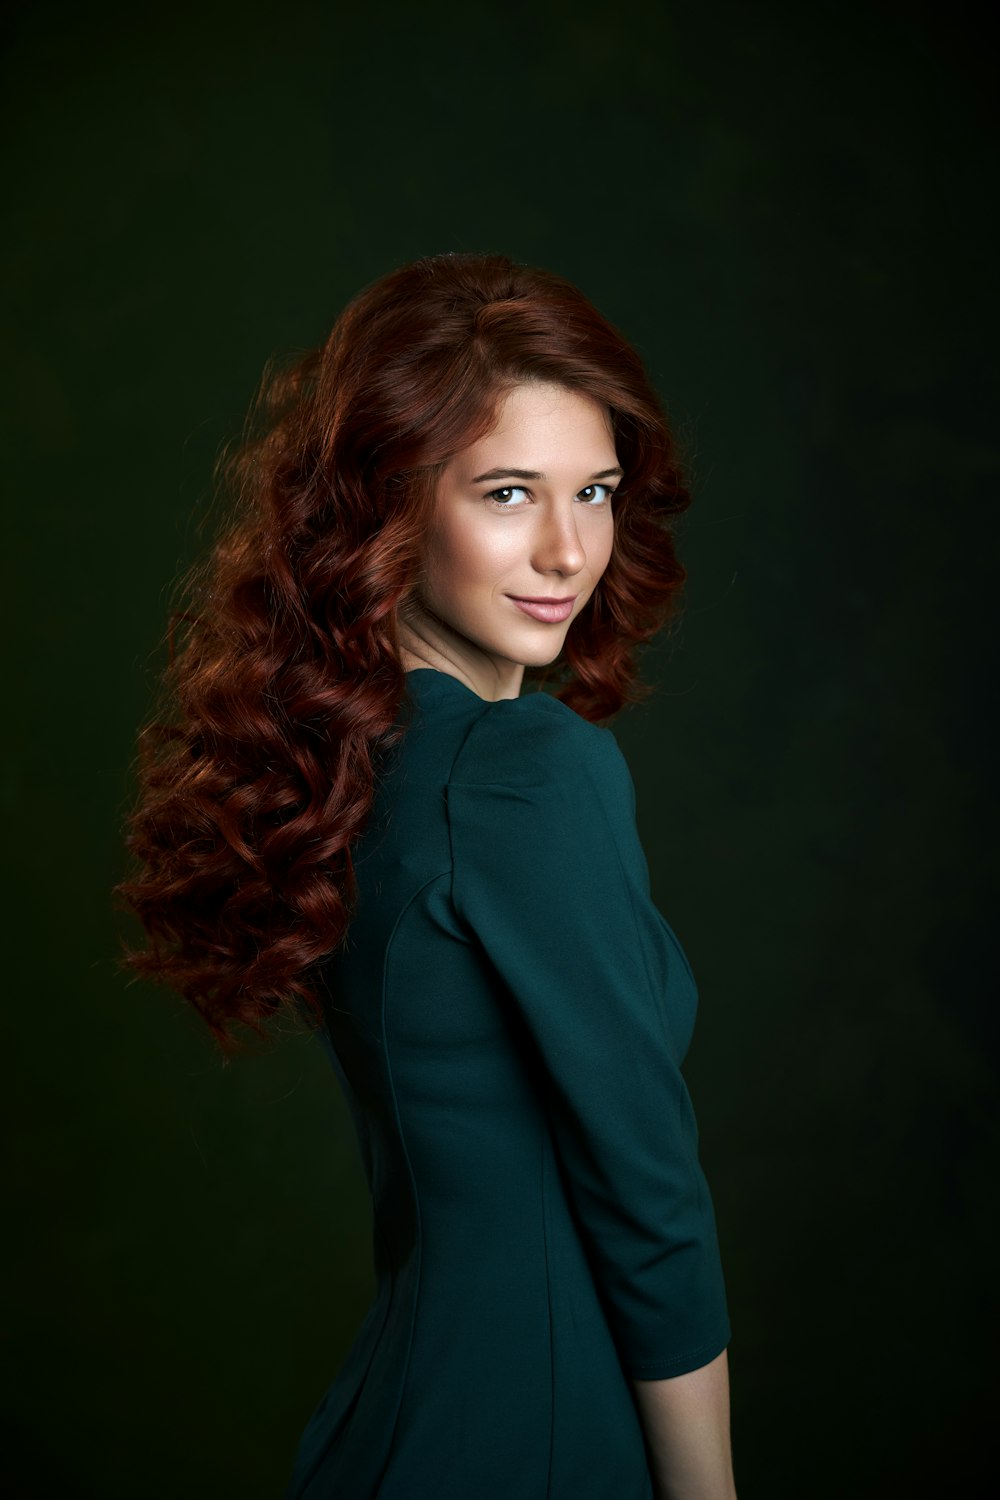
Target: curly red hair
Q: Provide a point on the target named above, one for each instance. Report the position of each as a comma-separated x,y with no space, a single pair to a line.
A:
256,773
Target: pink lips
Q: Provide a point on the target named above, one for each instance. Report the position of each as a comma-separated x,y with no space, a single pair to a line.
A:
551,611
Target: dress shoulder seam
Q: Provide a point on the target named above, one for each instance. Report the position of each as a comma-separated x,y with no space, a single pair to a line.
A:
506,722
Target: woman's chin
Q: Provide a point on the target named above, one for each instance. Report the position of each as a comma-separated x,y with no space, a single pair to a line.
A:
540,654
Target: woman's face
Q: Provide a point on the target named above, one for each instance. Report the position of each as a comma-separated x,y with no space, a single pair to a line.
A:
524,514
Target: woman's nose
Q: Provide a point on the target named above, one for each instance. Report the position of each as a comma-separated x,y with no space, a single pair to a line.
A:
557,546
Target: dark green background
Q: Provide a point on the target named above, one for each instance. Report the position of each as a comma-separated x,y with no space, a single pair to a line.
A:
785,208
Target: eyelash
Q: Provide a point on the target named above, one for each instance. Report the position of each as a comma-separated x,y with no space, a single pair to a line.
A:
504,488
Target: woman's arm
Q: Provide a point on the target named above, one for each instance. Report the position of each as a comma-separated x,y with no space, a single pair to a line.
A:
686,1423
550,880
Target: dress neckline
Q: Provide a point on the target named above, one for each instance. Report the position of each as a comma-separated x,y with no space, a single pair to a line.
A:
431,675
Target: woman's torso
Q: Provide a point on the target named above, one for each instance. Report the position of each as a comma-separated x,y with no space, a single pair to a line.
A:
486,1365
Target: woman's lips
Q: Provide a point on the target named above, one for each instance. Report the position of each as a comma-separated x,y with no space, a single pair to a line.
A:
551,611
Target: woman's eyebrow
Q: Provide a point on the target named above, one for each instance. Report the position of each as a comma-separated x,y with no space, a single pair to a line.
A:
533,474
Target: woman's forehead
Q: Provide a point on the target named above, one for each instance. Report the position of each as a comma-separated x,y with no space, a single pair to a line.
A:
538,424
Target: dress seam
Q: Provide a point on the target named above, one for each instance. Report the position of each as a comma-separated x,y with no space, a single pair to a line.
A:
409,1167
543,1138
679,1359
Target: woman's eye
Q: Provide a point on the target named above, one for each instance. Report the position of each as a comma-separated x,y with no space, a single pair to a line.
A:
508,489
597,499
504,498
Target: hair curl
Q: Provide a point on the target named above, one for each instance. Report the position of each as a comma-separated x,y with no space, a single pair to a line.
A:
256,772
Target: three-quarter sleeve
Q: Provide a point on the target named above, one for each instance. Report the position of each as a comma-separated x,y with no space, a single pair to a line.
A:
550,878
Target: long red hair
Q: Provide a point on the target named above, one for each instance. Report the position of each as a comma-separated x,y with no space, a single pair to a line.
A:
256,772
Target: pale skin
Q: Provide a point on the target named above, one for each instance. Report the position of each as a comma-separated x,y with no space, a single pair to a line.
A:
546,537
498,535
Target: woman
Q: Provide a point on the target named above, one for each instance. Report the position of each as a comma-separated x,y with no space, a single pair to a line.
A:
358,813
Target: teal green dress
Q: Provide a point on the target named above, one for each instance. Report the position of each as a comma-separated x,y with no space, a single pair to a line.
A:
507,1021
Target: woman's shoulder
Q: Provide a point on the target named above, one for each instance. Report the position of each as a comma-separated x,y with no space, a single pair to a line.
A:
535,740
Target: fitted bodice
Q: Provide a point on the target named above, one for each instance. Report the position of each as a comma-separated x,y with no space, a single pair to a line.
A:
507,1018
